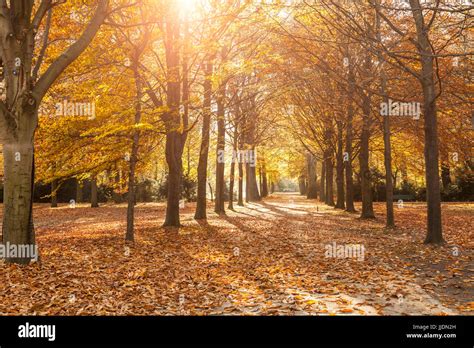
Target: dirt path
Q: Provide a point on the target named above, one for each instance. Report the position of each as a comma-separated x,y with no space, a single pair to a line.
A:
269,258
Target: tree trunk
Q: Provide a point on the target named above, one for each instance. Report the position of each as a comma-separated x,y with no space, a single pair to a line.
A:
264,189
79,191
433,196
445,175
175,135
366,187
130,235
340,168
241,185
348,155
234,157
54,197
302,185
201,204
94,198
322,184
54,188
252,186
17,228
312,192
210,191
390,222
231,186
220,163
329,179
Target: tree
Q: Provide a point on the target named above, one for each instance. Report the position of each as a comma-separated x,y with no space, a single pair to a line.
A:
24,91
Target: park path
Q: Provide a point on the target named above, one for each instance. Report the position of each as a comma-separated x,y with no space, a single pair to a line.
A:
267,258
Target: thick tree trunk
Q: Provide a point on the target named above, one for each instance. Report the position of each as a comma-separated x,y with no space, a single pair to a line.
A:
312,192
433,195
94,198
340,168
201,205
17,228
175,135
252,187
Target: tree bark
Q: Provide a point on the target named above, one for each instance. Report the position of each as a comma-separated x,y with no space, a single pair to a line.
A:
17,228
94,198
366,187
340,168
220,150
201,205
322,184
390,222
264,189
312,192
348,155
241,185
329,178
434,234
79,191
130,235
175,134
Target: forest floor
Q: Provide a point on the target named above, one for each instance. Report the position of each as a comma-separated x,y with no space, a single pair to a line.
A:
267,258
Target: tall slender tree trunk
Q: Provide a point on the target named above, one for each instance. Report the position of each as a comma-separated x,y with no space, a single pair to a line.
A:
231,186
366,187
348,155
329,179
130,235
312,192
340,167
390,222
264,189
54,188
201,205
322,184
220,163
235,145
434,234
240,201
